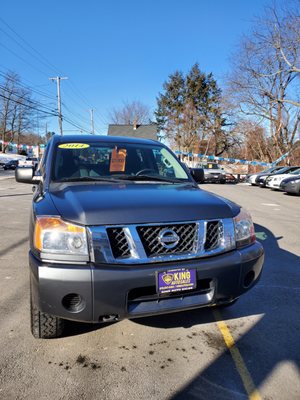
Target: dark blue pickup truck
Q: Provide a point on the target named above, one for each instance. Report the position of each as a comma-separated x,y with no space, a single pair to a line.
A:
120,229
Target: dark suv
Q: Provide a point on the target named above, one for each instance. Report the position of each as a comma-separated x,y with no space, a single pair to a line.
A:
11,164
120,229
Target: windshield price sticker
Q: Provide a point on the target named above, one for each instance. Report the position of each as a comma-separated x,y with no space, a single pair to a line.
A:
118,160
74,146
177,280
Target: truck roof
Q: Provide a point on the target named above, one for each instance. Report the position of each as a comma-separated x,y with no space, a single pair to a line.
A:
100,138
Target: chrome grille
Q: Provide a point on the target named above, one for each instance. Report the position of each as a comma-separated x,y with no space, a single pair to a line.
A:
214,234
118,242
145,243
149,236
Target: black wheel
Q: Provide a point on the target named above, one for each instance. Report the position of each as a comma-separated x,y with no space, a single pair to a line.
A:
44,326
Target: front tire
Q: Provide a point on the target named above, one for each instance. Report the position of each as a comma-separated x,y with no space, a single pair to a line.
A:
44,326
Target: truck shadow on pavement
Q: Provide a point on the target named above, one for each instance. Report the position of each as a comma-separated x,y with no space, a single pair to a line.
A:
13,246
16,194
264,324
269,314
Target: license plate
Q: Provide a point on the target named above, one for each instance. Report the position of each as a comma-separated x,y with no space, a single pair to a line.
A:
176,280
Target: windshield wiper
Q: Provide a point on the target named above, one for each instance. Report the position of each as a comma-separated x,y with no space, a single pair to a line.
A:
150,178
137,178
89,179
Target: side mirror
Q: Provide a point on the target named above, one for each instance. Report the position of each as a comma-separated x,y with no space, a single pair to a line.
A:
198,174
26,175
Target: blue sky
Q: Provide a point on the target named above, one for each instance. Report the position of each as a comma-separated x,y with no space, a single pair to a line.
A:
116,51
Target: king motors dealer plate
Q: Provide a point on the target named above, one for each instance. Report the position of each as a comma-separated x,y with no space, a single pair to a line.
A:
176,280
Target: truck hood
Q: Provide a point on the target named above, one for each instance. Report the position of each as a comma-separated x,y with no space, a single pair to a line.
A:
105,204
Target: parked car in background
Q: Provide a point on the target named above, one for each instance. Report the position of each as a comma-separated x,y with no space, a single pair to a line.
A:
251,178
273,181
261,179
29,162
291,185
12,164
212,172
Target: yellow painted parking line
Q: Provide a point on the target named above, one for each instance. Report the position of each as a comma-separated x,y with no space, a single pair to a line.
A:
237,358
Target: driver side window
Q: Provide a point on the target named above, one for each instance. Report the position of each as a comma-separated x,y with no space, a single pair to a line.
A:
163,165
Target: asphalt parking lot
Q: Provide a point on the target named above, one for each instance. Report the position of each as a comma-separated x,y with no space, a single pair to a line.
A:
250,350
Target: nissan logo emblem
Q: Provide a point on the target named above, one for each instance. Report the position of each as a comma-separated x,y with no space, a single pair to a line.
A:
168,238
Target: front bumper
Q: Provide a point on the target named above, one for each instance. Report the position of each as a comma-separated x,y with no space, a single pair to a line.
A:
211,177
251,180
118,292
273,185
290,188
261,182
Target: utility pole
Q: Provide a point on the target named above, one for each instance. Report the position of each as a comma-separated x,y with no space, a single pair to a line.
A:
92,121
58,79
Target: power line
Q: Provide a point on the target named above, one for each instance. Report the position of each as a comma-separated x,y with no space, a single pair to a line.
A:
33,90
36,107
27,105
29,49
18,96
22,59
15,91
79,95
45,62
75,116
76,126
53,114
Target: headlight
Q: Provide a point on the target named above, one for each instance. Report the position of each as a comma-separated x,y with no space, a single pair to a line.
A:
53,235
244,229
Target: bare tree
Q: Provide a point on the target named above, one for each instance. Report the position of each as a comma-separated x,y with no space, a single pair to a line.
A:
287,40
264,78
130,113
15,109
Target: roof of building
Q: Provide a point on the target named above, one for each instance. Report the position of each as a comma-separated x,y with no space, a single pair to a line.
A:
142,131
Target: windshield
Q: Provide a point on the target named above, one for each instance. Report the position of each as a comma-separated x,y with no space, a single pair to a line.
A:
282,170
208,166
295,172
272,169
100,160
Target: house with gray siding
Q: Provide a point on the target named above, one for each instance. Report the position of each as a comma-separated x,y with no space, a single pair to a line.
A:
139,131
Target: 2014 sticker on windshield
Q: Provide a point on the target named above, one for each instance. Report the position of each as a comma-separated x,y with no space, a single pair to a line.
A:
74,146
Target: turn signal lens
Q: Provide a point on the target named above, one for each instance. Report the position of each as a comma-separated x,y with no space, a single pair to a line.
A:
53,235
244,229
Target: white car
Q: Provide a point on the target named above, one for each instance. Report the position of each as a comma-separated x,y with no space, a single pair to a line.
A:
29,162
213,172
251,179
273,182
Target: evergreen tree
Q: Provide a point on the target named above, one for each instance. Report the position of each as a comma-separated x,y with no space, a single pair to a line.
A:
189,111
